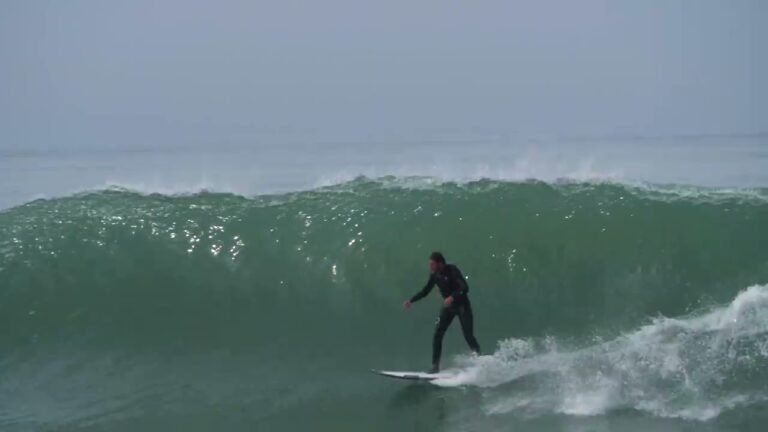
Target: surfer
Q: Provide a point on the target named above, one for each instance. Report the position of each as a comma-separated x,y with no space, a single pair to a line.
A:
454,289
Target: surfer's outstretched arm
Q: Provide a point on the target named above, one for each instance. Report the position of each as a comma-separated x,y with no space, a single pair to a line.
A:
421,294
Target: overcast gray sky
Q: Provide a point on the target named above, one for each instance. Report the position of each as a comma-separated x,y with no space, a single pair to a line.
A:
178,73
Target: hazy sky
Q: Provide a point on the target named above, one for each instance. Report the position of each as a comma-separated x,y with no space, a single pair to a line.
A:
191,73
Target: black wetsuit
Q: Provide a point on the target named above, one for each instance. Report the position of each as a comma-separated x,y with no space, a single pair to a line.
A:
451,283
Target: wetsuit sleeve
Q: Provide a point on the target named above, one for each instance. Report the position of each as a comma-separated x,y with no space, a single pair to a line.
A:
460,287
424,291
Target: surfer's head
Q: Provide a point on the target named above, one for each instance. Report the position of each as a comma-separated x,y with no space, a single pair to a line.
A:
436,262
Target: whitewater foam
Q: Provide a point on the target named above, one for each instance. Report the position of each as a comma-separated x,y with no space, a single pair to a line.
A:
671,367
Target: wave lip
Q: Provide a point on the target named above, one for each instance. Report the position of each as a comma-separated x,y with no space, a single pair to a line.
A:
482,179
659,192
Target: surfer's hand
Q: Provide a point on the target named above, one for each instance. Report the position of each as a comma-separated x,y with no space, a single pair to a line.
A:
448,301
407,304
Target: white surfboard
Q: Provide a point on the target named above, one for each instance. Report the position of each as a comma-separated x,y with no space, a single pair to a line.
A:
412,376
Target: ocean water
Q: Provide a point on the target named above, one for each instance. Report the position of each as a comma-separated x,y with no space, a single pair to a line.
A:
616,284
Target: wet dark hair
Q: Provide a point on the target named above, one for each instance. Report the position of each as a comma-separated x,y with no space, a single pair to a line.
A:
437,257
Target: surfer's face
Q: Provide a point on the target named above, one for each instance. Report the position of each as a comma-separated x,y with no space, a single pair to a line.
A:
434,266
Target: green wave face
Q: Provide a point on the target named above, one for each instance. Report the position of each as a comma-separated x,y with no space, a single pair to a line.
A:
274,289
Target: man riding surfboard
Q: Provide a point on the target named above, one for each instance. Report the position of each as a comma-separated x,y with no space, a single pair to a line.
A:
454,289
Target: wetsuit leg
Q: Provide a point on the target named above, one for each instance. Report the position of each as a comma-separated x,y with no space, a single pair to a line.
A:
443,321
467,326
